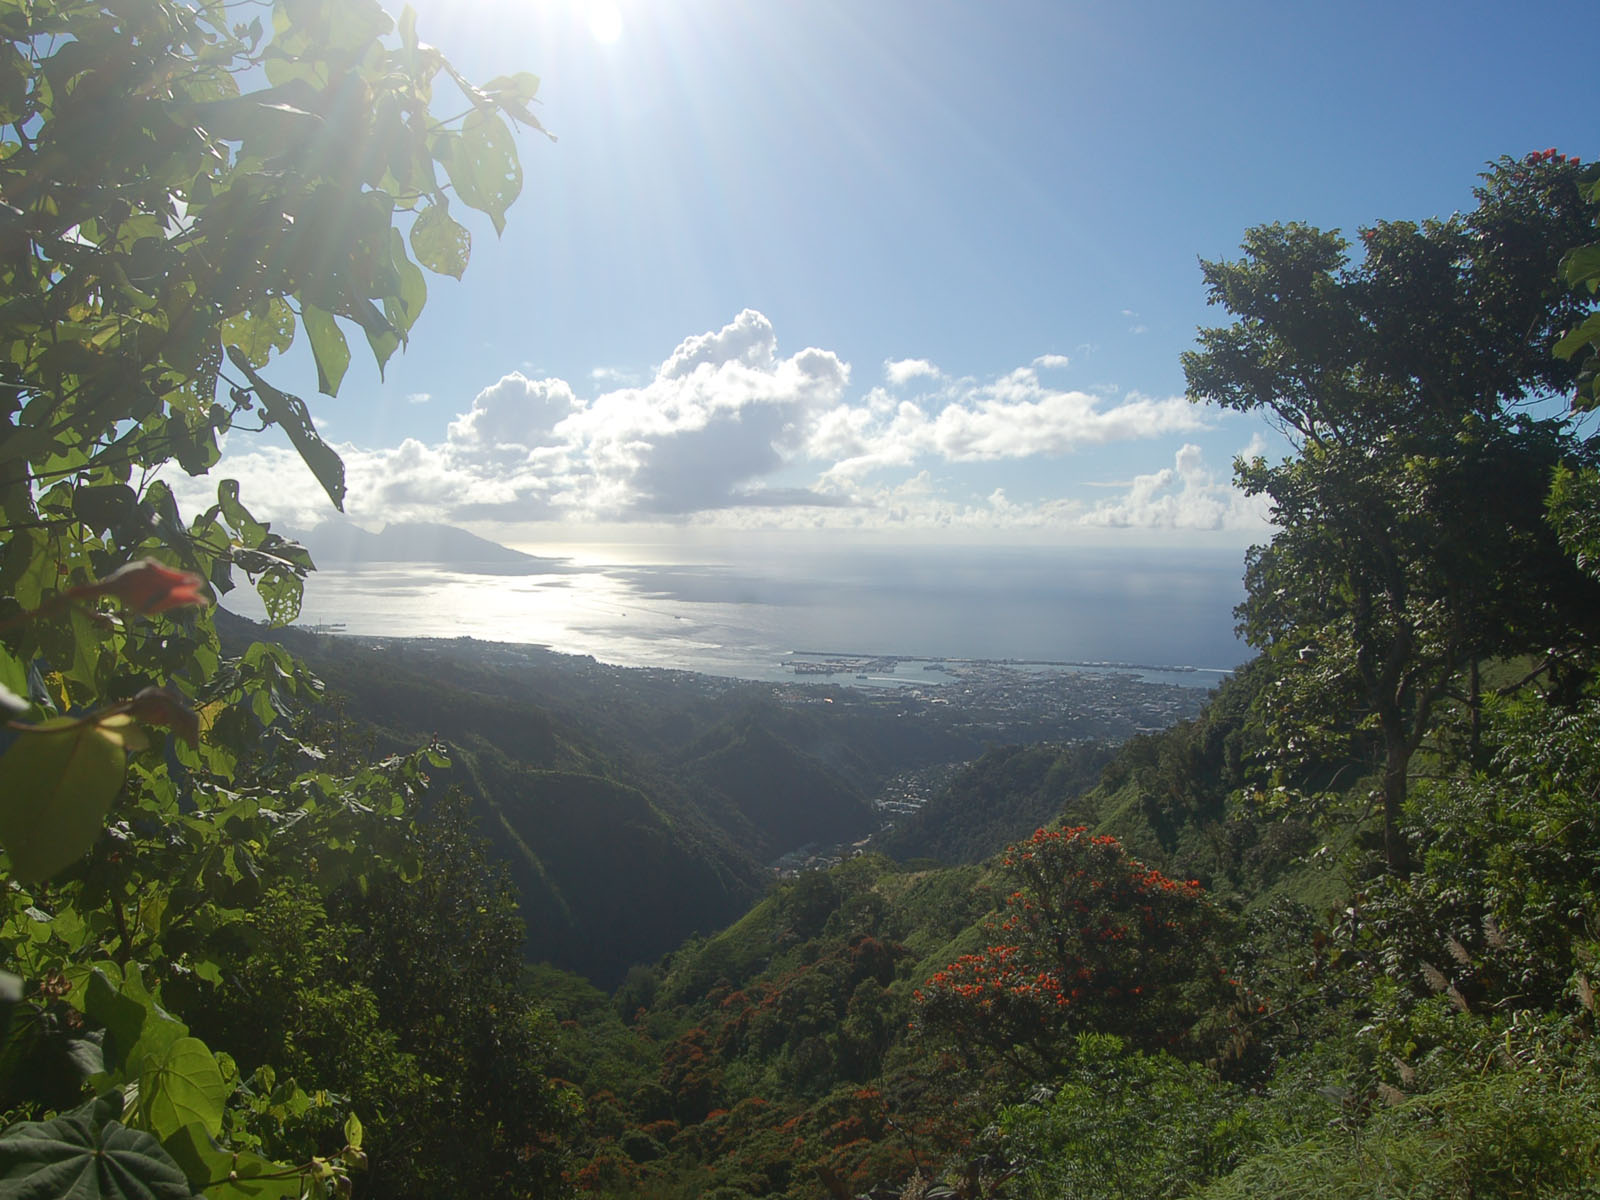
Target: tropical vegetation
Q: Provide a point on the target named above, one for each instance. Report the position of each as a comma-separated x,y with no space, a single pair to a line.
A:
1337,936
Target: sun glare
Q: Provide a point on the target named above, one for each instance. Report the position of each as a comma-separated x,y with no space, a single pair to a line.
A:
605,20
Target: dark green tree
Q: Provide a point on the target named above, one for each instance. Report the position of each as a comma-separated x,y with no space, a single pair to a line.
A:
185,188
1412,541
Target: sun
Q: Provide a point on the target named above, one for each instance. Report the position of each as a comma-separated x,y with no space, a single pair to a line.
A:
605,20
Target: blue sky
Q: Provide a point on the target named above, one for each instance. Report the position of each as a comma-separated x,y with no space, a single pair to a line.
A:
901,270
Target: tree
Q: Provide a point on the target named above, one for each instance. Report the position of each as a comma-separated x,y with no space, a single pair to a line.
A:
1092,941
186,188
1581,269
1412,539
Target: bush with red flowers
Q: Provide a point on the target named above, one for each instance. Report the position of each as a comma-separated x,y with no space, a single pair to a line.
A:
1090,939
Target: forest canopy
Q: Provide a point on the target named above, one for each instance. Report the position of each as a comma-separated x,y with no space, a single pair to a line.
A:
1335,937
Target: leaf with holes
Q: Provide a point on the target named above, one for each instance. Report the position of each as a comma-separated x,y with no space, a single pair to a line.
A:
481,161
439,243
290,412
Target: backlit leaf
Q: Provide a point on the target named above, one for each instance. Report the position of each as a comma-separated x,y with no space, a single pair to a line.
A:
232,1175
328,347
185,1086
439,243
268,327
482,164
57,782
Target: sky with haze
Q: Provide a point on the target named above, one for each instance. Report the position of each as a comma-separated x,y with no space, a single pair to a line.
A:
899,269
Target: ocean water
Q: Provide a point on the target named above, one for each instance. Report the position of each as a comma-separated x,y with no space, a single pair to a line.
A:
744,617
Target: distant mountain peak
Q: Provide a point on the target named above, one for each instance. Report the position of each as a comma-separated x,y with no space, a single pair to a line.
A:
344,543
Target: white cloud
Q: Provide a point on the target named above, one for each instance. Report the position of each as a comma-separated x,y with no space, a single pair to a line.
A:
1186,495
516,414
418,397
723,412
902,371
748,339
728,430
1016,417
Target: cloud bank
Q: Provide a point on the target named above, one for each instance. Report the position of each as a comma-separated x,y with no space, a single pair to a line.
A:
729,430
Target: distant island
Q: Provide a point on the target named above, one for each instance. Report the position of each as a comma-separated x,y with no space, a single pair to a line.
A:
344,544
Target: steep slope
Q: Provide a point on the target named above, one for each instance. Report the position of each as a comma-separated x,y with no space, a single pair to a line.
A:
771,795
1004,795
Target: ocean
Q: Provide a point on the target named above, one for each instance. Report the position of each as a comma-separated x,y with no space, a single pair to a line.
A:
746,617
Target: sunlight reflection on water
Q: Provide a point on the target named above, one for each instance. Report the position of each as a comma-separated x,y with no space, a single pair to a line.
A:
742,619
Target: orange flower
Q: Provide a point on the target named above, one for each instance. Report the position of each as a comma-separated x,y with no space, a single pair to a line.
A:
146,586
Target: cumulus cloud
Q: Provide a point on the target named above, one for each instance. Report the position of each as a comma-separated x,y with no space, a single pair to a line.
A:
1015,417
1186,495
731,430
902,371
723,412
514,414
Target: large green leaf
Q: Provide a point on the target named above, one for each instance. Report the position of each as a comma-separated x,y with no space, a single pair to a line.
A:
87,1155
1583,266
1578,338
57,782
231,1175
184,1086
138,1030
237,514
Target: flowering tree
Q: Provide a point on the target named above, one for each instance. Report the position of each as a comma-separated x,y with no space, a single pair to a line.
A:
1090,940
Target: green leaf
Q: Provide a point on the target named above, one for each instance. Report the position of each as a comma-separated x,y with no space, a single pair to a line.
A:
13,685
291,413
513,93
1583,266
1580,337
404,306
112,506
352,1131
281,593
185,1086
263,329
227,1174
481,161
57,782
138,1030
439,243
328,347
248,528
87,1155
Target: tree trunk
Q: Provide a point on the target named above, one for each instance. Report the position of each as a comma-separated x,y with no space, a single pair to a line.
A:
1475,709
1396,762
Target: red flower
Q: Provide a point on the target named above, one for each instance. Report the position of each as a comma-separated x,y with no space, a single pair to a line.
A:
146,586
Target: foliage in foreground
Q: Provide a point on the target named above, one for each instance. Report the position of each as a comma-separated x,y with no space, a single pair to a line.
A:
185,864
